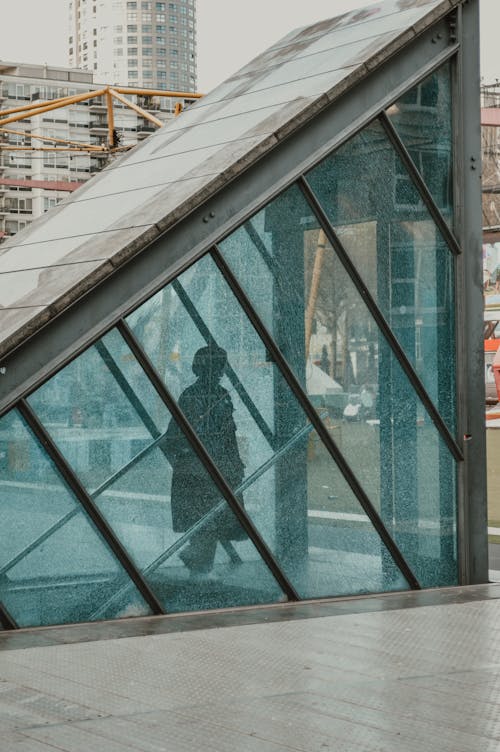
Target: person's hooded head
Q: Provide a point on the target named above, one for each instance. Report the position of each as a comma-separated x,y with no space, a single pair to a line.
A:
209,364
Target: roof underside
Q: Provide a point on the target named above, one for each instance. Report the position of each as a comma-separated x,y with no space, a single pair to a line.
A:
52,263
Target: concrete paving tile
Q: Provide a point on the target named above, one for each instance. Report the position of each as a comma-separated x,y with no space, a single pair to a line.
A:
21,743
166,731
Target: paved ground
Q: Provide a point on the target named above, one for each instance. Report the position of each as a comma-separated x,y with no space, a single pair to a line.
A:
404,673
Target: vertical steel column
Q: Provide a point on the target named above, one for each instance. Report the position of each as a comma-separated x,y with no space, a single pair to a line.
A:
473,542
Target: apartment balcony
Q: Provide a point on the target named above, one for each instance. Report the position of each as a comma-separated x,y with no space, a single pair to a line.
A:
98,127
97,107
145,129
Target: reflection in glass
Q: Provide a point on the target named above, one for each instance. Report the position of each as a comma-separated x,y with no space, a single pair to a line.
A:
422,118
322,326
398,251
55,568
147,482
88,410
291,488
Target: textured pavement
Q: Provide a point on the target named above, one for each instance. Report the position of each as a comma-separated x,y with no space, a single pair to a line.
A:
409,679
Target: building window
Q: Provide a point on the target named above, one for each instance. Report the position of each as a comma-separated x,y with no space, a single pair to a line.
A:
146,5
161,64
131,40
147,74
161,74
174,53
147,40
161,29
132,74
161,51
132,63
161,40
132,28
118,52
161,6
132,6
147,51
132,50
146,16
118,40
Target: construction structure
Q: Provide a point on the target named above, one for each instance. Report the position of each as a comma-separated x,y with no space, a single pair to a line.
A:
143,43
228,364
58,129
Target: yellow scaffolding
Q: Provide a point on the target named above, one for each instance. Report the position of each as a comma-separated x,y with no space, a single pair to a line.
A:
109,94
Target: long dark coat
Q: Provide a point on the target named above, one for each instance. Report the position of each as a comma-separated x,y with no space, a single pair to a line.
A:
210,412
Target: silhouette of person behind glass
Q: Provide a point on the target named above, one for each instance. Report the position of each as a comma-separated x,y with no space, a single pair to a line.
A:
209,409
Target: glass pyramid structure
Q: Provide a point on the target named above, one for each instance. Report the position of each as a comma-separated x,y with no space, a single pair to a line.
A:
236,367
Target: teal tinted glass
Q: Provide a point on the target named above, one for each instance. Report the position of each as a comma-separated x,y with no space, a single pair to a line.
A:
398,252
123,456
322,326
55,567
256,433
423,120
95,410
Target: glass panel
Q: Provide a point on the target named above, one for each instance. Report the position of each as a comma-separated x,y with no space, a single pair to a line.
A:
91,417
242,409
68,575
323,328
422,118
110,424
398,251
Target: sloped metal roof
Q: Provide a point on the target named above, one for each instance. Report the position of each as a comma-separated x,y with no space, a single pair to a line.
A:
59,257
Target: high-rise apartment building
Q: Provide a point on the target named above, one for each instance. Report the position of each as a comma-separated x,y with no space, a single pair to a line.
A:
135,42
33,177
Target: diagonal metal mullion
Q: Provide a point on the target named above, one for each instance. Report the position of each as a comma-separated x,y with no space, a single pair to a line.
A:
90,508
230,372
126,388
7,620
315,419
420,184
202,454
259,245
380,320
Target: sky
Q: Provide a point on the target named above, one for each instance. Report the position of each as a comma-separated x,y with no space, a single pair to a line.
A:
230,32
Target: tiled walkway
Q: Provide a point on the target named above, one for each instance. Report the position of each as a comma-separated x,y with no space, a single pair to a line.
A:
411,673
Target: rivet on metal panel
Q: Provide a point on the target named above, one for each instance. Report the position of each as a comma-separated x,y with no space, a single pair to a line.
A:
453,26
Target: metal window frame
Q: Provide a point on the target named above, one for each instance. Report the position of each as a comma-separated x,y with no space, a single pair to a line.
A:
104,307
87,506
206,460
379,319
315,419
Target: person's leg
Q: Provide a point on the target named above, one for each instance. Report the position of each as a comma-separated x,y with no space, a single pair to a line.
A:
199,555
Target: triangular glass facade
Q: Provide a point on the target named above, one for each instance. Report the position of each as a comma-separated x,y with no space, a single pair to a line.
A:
270,412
